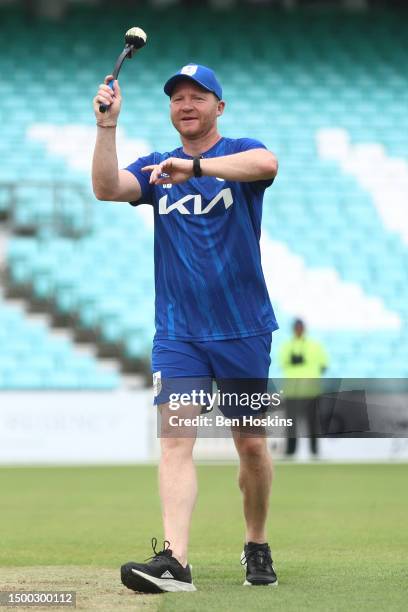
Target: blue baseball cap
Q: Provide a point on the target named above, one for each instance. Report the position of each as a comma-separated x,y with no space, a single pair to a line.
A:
201,75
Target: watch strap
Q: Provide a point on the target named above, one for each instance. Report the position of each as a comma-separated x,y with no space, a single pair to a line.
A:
197,167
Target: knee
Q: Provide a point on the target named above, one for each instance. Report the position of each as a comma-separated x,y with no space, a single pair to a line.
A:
176,447
252,450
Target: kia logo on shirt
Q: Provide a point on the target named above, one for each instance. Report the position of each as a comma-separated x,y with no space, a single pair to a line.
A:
224,195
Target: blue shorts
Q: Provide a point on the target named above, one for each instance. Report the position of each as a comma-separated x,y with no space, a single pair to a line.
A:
180,366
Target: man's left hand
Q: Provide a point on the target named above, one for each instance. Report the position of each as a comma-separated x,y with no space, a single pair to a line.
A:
176,171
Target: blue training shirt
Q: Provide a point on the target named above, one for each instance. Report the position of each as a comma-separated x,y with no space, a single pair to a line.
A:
208,275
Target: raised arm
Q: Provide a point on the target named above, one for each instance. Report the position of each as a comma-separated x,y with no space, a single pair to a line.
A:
110,183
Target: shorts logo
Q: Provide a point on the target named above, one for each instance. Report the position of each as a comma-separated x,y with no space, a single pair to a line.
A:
157,383
189,69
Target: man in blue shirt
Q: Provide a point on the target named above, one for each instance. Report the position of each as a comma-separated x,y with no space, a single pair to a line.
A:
213,315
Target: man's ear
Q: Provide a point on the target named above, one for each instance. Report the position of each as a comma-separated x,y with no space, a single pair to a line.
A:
220,108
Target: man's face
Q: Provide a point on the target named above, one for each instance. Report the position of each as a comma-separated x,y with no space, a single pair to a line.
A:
194,110
299,329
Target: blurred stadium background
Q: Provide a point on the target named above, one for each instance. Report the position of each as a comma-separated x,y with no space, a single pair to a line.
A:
323,84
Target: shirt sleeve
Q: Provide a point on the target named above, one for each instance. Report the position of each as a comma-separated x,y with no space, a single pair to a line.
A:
246,144
143,177
324,358
283,356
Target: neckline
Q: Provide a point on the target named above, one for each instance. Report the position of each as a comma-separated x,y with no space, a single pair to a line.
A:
204,152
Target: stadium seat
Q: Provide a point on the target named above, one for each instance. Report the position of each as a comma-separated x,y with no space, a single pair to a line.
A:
312,95
30,358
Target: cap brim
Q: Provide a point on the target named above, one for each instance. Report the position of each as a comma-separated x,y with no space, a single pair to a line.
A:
177,78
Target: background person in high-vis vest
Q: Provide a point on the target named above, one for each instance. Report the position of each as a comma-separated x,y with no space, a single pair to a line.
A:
303,362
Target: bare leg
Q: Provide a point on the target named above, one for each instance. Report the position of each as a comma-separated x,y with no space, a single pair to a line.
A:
177,483
255,479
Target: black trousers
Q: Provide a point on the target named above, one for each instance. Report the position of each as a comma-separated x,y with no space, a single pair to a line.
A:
303,411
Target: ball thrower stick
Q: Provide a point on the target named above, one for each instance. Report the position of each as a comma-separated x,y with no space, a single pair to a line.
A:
135,39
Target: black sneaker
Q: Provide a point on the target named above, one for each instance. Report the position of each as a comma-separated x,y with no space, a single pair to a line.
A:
259,565
162,573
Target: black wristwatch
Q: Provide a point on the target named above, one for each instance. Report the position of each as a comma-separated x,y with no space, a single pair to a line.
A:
197,167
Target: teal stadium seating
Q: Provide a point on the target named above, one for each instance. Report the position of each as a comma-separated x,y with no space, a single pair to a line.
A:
289,79
31,359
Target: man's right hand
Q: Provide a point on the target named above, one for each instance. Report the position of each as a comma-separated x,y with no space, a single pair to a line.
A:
112,99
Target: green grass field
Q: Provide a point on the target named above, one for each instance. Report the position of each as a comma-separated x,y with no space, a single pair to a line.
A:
338,534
